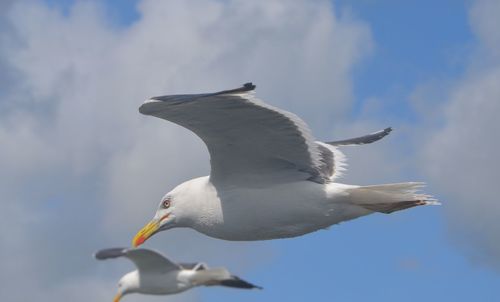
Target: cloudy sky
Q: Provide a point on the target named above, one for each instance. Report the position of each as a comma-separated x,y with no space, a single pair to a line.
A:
81,169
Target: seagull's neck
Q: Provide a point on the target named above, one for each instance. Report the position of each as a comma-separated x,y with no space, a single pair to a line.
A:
201,205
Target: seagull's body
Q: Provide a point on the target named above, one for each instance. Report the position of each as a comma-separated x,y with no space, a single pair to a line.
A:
290,209
157,275
269,177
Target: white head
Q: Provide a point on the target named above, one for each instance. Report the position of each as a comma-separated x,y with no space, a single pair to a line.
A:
175,210
127,284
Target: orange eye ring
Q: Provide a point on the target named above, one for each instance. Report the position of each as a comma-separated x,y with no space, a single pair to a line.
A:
165,204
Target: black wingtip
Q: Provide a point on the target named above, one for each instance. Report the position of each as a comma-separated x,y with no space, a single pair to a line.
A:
110,253
237,282
245,88
362,140
249,86
385,132
381,134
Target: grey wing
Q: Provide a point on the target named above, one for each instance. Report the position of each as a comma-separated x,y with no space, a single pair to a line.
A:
144,259
196,266
333,160
365,139
244,136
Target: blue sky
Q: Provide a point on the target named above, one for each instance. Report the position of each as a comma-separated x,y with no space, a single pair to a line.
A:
414,45
408,64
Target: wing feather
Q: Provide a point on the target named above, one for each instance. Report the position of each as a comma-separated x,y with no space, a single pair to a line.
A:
144,259
365,139
244,136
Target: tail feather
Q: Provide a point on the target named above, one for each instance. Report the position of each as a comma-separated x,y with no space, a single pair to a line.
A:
389,198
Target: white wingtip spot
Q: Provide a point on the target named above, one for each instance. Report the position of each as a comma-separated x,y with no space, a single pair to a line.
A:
432,202
148,106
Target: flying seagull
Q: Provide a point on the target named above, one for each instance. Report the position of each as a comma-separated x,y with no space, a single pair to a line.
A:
269,177
157,275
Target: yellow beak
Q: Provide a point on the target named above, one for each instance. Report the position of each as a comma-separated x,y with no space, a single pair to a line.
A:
117,298
147,231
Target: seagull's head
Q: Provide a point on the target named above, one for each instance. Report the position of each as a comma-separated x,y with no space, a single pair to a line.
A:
178,208
164,219
173,211
127,284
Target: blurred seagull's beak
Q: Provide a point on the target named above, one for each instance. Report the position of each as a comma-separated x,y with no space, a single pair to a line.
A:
147,231
117,297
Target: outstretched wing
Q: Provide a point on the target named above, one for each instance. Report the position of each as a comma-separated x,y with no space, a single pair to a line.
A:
144,259
365,139
333,161
247,139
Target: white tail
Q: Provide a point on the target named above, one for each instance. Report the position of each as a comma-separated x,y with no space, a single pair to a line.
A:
389,198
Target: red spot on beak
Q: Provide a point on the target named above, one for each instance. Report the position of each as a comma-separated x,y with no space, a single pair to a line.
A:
138,241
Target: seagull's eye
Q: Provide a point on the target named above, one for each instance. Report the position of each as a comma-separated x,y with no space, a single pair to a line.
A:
165,204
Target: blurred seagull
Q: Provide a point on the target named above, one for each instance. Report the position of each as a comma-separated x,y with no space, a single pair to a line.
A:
157,275
269,177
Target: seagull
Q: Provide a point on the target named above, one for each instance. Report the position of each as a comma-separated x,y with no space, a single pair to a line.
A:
270,178
157,275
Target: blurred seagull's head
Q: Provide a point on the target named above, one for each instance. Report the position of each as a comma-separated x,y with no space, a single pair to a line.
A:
127,284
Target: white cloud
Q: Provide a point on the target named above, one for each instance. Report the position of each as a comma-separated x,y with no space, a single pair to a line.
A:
84,170
462,157
484,21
